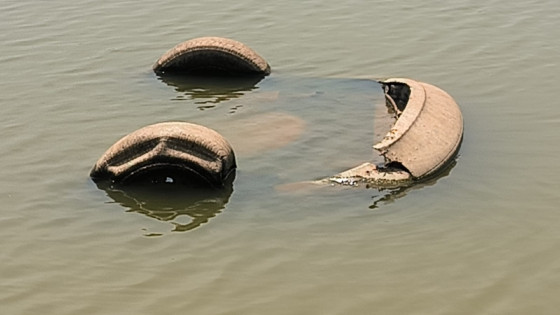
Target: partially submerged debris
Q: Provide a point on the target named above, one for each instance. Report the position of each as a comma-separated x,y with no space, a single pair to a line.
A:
425,137
370,175
211,56
427,133
177,153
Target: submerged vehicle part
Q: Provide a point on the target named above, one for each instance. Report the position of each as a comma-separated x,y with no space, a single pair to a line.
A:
371,175
177,153
425,137
211,56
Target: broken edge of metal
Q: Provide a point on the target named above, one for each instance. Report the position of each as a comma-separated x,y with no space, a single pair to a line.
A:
424,139
212,55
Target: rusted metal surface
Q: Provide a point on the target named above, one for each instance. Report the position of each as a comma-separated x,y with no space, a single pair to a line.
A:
427,133
211,55
185,151
425,137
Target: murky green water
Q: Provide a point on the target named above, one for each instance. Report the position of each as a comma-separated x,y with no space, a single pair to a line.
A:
483,239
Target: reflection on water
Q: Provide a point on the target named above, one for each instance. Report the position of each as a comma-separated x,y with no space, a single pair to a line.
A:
387,196
208,91
172,203
380,196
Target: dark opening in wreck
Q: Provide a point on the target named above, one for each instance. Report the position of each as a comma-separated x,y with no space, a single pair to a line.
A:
397,95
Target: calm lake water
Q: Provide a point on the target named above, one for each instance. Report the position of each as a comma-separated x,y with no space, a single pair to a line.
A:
482,239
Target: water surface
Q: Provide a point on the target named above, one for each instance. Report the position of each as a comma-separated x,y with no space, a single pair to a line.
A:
483,239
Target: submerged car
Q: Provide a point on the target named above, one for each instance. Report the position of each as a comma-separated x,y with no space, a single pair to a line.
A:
424,138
